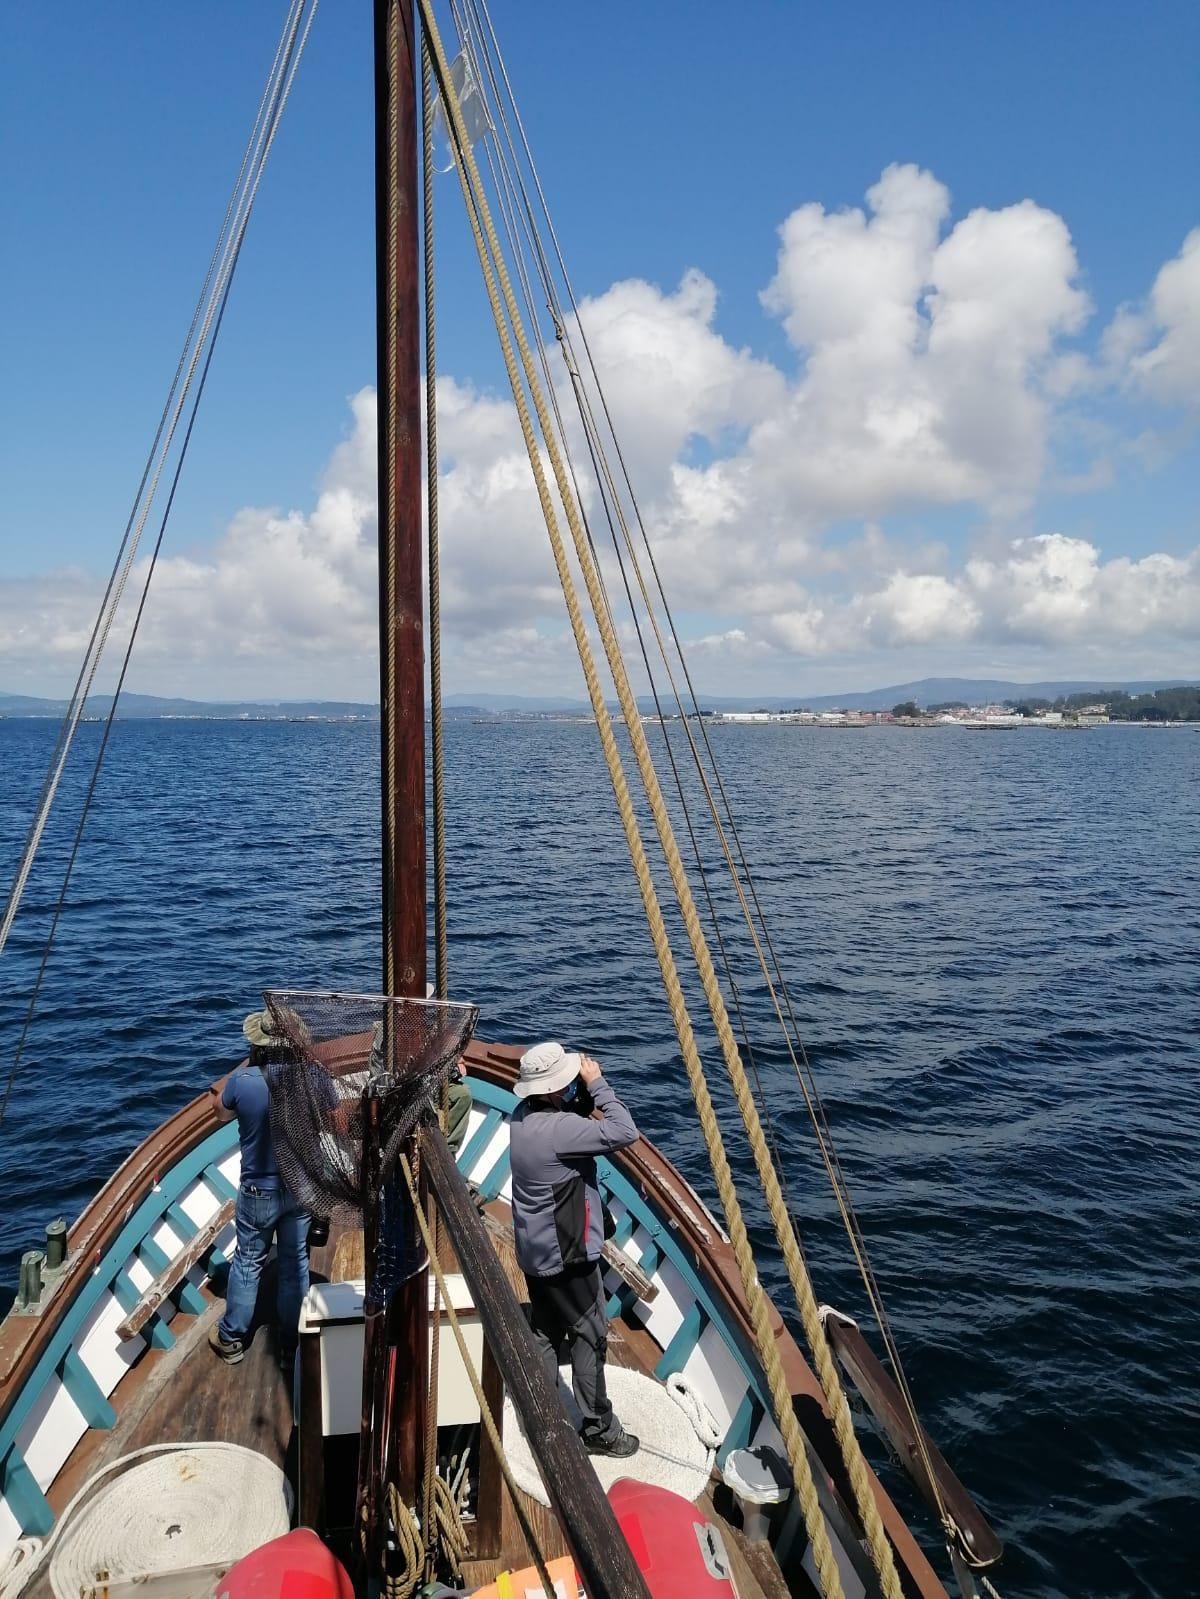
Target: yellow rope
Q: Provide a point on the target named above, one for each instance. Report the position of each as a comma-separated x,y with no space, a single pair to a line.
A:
828,1154
431,1475
832,1169
755,1299
404,1577
487,1420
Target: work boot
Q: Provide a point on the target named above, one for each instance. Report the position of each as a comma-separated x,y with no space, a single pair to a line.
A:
230,1351
619,1446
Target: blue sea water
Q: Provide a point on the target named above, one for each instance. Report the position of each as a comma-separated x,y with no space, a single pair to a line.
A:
992,945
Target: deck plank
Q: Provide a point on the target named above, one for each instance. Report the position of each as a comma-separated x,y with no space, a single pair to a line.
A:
185,1394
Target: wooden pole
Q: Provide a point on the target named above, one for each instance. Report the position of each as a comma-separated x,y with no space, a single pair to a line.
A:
601,1555
401,646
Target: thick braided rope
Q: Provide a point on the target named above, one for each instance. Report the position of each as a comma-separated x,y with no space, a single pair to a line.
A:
806,1300
437,751
600,460
756,1301
431,1412
487,1420
406,1558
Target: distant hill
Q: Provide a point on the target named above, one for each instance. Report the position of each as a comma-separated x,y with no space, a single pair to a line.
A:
531,704
142,707
463,707
937,691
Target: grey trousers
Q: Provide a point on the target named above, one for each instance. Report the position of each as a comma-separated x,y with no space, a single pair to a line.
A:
569,1309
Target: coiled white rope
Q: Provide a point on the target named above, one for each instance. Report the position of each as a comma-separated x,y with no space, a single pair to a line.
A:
176,1505
697,1412
19,1565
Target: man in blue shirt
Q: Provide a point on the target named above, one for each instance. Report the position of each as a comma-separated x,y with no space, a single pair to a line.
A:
265,1210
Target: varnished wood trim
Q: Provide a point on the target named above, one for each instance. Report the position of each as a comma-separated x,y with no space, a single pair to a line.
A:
175,1271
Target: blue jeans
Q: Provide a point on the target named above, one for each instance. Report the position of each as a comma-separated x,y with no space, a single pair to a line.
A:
262,1214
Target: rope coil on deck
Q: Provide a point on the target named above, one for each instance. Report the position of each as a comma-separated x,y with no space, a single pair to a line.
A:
170,1507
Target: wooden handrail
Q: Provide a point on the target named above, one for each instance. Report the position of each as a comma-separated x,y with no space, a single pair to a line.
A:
172,1275
602,1557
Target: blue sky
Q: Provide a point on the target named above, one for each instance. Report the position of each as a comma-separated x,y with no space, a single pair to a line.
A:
677,147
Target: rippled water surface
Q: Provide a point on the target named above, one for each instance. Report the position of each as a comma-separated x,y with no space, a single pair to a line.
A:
992,943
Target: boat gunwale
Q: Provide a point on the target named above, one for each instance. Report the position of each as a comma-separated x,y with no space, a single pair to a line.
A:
165,1163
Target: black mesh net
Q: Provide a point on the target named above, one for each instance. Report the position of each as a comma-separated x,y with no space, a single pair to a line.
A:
356,1074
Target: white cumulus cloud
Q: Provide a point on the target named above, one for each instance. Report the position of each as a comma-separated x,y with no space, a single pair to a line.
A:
930,365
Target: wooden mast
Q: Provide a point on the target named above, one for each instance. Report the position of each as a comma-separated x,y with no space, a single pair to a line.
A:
401,643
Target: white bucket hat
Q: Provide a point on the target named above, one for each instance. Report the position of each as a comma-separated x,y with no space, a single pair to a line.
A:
545,1069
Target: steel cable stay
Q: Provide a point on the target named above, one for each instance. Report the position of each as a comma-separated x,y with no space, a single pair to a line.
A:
776,986
126,552
202,346
79,692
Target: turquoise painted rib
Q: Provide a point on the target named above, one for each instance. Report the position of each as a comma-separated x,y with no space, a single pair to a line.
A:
86,1391
495,1179
189,1298
679,1351
625,1229
180,1223
154,1255
651,1258
144,1218
481,1137
25,1499
217,1180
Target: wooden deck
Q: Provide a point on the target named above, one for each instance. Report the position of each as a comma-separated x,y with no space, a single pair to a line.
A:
630,1346
185,1395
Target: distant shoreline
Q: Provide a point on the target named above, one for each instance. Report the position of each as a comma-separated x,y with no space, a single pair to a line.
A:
560,719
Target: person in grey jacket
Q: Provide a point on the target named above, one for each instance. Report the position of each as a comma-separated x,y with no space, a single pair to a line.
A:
558,1222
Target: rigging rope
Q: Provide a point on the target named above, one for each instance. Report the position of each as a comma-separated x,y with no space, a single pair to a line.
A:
480,220
755,920
437,753
120,569
283,71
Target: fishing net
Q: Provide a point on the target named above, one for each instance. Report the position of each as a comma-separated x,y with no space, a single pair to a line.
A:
355,1075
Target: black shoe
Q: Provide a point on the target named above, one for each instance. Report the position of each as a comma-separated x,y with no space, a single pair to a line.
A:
230,1352
620,1446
